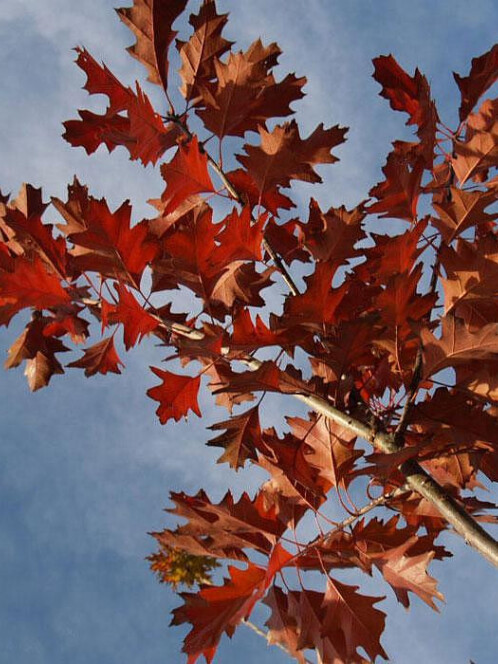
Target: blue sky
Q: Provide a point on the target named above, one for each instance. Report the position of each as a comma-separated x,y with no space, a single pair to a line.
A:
85,466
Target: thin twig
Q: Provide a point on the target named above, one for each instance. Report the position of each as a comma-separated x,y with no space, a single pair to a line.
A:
410,400
376,502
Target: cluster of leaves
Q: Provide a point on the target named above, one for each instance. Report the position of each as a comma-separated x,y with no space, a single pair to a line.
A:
176,567
366,319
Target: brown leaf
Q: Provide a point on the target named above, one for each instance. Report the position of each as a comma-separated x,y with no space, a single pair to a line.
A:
471,286
202,51
408,573
283,155
330,448
457,345
22,221
177,395
391,254
241,438
104,241
249,191
228,525
473,157
99,358
463,210
31,285
245,93
186,174
410,94
239,284
151,21
319,303
282,628
38,349
332,235
483,73
136,321
217,609
241,237
398,194
142,131
351,621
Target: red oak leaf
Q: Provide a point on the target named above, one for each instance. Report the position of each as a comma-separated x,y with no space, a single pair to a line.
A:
66,320
248,191
228,526
241,238
99,358
282,628
177,395
241,438
483,73
331,236
217,609
142,132
151,21
283,155
398,194
186,174
220,374
93,129
245,93
408,573
202,50
247,335
391,254
319,303
22,223
351,621
399,302
266,377
330,448
457,345
151,138
471,286
136,321
463,210
472,157
100,80
239,284
410,94
38,349
104,241
30,285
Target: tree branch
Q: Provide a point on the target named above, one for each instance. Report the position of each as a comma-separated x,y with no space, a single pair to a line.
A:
417,478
